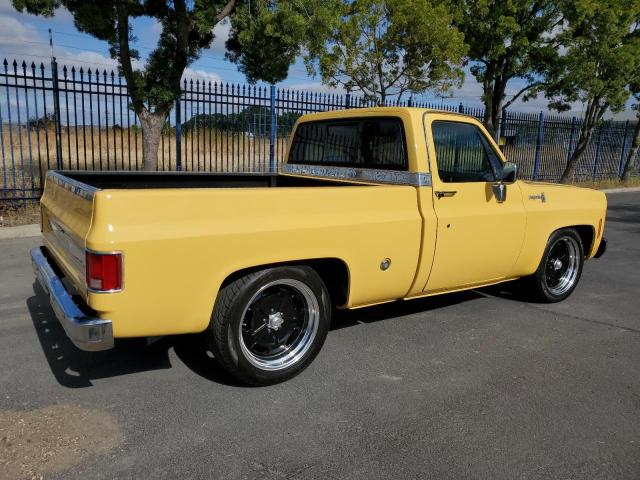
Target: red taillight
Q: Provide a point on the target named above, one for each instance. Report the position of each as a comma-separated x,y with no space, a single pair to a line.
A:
104,271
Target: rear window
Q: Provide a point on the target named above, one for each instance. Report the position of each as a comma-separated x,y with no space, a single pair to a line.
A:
361,142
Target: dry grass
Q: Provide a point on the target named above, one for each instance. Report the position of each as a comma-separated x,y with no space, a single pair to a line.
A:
204,150
22,213
121,149
611,183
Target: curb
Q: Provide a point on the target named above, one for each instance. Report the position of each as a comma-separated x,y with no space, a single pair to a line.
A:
621,190
22,231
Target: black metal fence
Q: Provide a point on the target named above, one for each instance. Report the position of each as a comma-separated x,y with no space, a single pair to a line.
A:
72,118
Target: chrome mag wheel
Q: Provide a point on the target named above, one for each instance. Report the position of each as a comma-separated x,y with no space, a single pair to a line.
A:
279,324
562,265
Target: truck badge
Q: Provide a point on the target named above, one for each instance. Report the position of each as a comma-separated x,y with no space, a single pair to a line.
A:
540,197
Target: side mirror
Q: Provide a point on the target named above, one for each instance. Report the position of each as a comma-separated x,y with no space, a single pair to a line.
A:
509,172
499,191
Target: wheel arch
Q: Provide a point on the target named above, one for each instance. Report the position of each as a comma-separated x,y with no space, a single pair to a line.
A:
587,235
333,271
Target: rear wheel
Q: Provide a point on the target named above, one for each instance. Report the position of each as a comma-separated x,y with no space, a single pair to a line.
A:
560,268
269,325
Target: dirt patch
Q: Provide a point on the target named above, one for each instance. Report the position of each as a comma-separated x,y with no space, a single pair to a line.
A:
13,215
52,439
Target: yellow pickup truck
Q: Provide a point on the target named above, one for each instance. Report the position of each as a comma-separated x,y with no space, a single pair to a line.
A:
372,205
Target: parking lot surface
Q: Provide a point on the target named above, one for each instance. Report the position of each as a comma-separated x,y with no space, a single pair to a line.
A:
472,385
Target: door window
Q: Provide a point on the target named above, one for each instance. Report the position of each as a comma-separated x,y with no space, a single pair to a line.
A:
463,153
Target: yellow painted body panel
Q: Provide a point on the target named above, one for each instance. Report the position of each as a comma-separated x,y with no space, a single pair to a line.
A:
179,245
177,255
478,239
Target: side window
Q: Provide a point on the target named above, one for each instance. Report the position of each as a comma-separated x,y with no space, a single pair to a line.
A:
463,154
360,142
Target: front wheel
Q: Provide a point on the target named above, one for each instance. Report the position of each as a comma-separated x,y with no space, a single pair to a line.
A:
559,269
269,325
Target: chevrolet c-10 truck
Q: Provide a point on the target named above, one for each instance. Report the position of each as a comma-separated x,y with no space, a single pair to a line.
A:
372,205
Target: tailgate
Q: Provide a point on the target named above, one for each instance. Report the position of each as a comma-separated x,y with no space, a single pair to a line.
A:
67,209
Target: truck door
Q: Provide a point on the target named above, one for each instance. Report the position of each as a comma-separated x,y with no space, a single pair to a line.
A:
478,238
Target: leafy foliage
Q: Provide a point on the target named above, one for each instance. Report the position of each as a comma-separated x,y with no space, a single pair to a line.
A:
267,35
265,39
599,61
508,39
388,48
254,118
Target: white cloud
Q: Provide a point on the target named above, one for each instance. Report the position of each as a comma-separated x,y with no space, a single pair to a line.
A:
315,87
201,75
221,33
14,33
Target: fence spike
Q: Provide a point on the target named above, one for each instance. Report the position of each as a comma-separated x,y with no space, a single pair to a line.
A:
64,71
15,64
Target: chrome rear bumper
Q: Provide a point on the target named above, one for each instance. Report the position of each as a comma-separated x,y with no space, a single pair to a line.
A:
86,332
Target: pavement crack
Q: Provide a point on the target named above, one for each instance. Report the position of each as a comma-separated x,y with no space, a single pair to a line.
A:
589,320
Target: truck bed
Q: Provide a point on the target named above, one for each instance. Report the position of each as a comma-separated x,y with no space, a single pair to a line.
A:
143,180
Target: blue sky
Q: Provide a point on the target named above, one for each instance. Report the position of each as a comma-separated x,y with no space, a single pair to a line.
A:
25,37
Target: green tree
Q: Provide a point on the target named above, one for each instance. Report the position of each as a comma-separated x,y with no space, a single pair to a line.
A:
187,28
386,48
599,62
508,40
632,156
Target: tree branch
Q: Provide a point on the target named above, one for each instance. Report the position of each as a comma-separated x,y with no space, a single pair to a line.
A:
226,11
520,92
125,58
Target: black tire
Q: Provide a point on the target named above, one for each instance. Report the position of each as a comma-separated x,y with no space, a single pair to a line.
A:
246,340
560,268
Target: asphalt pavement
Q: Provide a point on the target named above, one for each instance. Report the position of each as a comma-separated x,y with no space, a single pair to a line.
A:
477,385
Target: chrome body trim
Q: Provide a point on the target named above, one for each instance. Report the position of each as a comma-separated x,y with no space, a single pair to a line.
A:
364,175
78,188
86,332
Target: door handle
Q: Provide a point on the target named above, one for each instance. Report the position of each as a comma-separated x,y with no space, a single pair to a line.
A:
445,193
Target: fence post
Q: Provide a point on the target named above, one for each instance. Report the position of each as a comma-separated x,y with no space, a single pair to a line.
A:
572,138
536,162
56,110
347,100
178,136
624,148
461,108
272,131
596,161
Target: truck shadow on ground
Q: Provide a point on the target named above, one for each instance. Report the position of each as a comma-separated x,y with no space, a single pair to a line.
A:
74,368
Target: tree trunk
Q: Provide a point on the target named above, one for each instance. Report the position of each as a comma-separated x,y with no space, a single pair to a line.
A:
633,153
493,99
488,119
152,124
586,132
593,114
